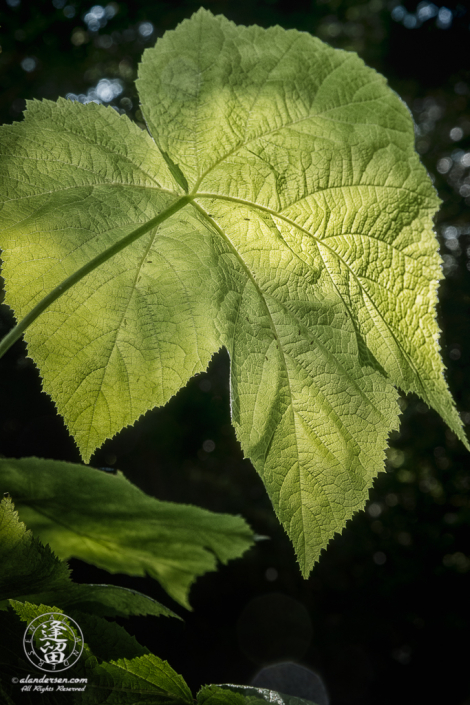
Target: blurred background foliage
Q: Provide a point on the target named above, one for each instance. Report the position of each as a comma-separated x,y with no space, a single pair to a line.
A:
384,617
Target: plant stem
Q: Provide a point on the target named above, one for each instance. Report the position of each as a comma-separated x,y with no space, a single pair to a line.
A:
20,328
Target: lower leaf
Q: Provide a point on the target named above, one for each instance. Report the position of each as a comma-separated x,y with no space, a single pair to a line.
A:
107,521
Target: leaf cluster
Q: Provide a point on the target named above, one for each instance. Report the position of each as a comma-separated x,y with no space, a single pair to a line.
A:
117,667
275,207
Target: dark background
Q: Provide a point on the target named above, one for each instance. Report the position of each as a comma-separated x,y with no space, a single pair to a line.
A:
384,616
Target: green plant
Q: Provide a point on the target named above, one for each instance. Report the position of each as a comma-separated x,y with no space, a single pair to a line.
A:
277,209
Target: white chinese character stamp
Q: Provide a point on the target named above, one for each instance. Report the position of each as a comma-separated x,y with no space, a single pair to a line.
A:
53,642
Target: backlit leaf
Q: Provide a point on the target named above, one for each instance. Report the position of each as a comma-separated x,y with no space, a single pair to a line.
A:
146,679
32,573
299,237
105,520
27,565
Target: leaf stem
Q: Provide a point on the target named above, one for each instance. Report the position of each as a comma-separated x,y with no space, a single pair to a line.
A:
20,328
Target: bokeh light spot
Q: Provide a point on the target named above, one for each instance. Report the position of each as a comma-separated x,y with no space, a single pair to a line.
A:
208,446
456,134
444,18
271,575
444,165
29,64
146,29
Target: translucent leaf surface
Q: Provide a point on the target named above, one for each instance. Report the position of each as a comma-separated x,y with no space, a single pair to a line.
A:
300,238
105,520
27,565
215,695
32,573
146,679
101,600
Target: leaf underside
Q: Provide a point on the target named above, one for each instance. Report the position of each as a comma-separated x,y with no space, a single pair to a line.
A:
306,251
27,565
32,572
86,514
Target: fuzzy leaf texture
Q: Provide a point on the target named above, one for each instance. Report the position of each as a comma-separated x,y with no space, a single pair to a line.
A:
305,248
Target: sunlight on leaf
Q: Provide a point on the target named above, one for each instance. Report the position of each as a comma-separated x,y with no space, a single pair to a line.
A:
32,573
306,249
143,679
83,513
27,565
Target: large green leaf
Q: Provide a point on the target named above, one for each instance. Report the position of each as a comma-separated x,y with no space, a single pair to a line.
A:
105,520
32,573
277,209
